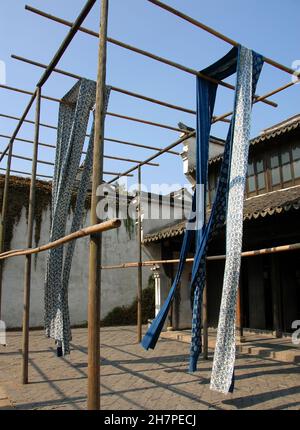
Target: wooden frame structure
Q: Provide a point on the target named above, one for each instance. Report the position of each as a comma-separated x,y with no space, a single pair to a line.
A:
95,230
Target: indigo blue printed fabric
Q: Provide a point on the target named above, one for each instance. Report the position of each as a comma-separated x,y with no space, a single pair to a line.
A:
151,337
231,62
72,127
249,69
206,92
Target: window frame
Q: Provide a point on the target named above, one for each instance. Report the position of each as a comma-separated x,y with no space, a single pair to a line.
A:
254,158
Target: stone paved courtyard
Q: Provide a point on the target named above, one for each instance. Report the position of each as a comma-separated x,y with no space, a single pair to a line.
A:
132,378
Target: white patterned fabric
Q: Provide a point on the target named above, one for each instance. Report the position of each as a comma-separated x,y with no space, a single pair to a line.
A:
73,121
224,356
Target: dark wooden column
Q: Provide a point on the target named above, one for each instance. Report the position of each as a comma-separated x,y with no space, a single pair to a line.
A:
239,314
276,294
167,254
205,320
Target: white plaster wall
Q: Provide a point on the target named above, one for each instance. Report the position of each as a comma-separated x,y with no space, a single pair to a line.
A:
189,153
162,214
118,286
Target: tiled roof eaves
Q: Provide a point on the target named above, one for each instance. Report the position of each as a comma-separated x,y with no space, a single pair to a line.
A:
263,137
173,232
272,211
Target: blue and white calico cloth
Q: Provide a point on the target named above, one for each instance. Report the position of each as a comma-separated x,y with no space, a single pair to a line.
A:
72,127
228,65
206,94
250,65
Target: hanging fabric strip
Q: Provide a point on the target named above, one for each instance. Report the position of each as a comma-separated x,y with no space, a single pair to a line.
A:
72,127
223,68
205,90
217,218
249,68
215,223
151,337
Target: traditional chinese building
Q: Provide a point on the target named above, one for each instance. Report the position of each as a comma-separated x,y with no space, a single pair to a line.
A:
269,284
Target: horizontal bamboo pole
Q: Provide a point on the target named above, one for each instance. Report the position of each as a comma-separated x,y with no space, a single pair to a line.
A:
140,51
139,145
162,151
30,93
87,231
21,139
258,99
143,121
116,89
28,121
122,142
263,251
50,163
19,125
218,34
26,173
110,157
21,157
216,119
116,115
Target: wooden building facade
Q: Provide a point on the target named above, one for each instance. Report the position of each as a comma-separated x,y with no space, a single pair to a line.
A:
269,284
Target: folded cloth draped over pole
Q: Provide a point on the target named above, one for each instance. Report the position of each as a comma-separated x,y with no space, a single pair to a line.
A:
73,121
250,65
231,63
206,93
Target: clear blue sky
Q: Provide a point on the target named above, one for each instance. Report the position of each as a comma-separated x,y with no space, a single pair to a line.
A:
269,26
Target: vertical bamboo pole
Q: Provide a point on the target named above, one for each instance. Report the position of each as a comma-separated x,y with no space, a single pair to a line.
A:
205,322
27,272
94,295
139,283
